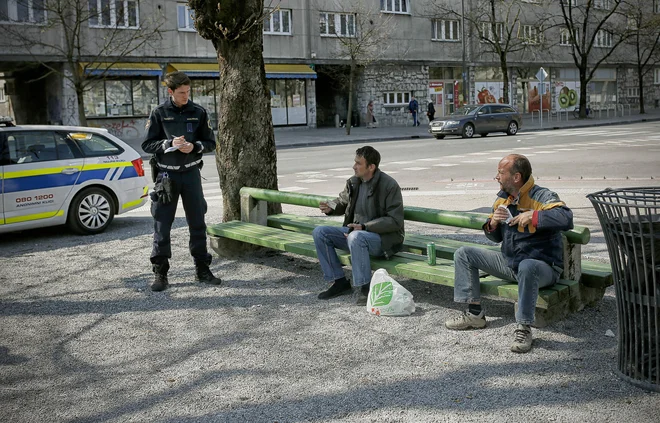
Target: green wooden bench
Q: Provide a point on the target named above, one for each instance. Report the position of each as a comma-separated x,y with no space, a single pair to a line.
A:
582,282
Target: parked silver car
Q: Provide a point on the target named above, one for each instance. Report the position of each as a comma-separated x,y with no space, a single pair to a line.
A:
479,119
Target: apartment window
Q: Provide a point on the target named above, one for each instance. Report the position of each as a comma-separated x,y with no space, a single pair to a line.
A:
114,13
565,37
603,39
487,31
395,6
530,34
25,11
2,95
121,97
656,77
632,92
278,22
446,30
602,4
185,17
396,98
569,2
531,1
656,6
339,24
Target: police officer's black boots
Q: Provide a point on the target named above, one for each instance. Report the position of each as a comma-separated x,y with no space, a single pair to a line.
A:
203,274
160,278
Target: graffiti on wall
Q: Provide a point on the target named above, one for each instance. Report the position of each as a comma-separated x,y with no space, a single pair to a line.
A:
125,129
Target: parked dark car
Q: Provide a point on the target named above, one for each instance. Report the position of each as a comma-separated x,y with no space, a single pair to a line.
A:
479,119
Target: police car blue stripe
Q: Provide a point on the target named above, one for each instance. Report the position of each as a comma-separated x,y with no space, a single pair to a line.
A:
92,174
113,172
129,172
27,183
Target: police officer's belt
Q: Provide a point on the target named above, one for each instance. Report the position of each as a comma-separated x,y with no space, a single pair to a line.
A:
185,166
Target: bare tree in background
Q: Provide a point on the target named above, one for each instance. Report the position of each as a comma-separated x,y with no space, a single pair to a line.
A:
499,25
594,33
362,33
246,154
644,39
87,40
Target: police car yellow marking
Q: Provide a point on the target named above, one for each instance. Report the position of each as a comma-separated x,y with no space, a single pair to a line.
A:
54,170
36,216
132,203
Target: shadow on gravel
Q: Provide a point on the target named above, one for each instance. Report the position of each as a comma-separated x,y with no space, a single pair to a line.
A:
52,238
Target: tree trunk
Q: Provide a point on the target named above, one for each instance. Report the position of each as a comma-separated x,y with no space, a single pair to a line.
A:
583,92
245,155
640,78
349,118
505,78
82,119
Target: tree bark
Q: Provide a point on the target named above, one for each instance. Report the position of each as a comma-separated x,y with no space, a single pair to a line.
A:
505,78
349,119
583,92
245,154
640,79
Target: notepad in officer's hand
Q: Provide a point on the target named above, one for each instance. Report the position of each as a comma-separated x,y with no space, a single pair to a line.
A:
173,148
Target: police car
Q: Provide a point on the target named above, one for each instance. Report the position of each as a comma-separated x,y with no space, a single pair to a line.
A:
53,175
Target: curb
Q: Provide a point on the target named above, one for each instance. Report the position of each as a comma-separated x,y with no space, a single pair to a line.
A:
428,136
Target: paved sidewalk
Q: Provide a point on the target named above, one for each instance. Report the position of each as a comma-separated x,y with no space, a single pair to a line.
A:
292,137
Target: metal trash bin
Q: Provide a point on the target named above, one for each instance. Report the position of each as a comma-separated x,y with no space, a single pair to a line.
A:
630,218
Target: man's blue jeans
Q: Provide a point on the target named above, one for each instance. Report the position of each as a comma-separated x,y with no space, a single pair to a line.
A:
361,245
532,275
414,116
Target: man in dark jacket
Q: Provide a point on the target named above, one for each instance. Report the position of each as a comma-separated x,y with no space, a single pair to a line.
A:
413,107
178,133
528,221
372,206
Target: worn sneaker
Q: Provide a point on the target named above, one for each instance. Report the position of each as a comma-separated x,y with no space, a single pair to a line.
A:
204,275
466,320
160,282
522,341
336,289
363,295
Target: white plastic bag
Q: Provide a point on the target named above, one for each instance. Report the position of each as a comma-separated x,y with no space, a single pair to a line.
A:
387,297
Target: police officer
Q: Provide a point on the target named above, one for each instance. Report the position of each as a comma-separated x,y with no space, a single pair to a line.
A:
178,132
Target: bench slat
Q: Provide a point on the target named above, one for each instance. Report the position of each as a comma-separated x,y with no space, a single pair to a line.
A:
403,264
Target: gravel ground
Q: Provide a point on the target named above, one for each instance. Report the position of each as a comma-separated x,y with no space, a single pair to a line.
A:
82,339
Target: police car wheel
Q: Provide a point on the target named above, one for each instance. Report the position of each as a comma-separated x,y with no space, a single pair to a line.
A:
91,211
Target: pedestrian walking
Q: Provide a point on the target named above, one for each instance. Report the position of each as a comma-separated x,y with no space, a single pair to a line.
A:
178,134
413,107
371,119
430,111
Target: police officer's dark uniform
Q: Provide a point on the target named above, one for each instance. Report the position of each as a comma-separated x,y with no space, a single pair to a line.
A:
178,173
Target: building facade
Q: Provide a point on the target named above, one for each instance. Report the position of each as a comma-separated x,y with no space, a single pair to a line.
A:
439,52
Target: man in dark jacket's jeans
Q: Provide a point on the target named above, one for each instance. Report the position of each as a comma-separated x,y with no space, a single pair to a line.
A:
528,220
372,206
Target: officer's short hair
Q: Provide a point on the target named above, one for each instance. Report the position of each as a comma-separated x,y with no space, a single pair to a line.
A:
521,165
174,80
370,155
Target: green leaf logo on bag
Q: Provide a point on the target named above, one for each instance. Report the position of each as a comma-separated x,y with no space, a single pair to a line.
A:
381,294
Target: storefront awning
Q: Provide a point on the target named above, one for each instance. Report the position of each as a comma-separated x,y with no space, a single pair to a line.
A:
273,71
196,70
289,72
122,69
